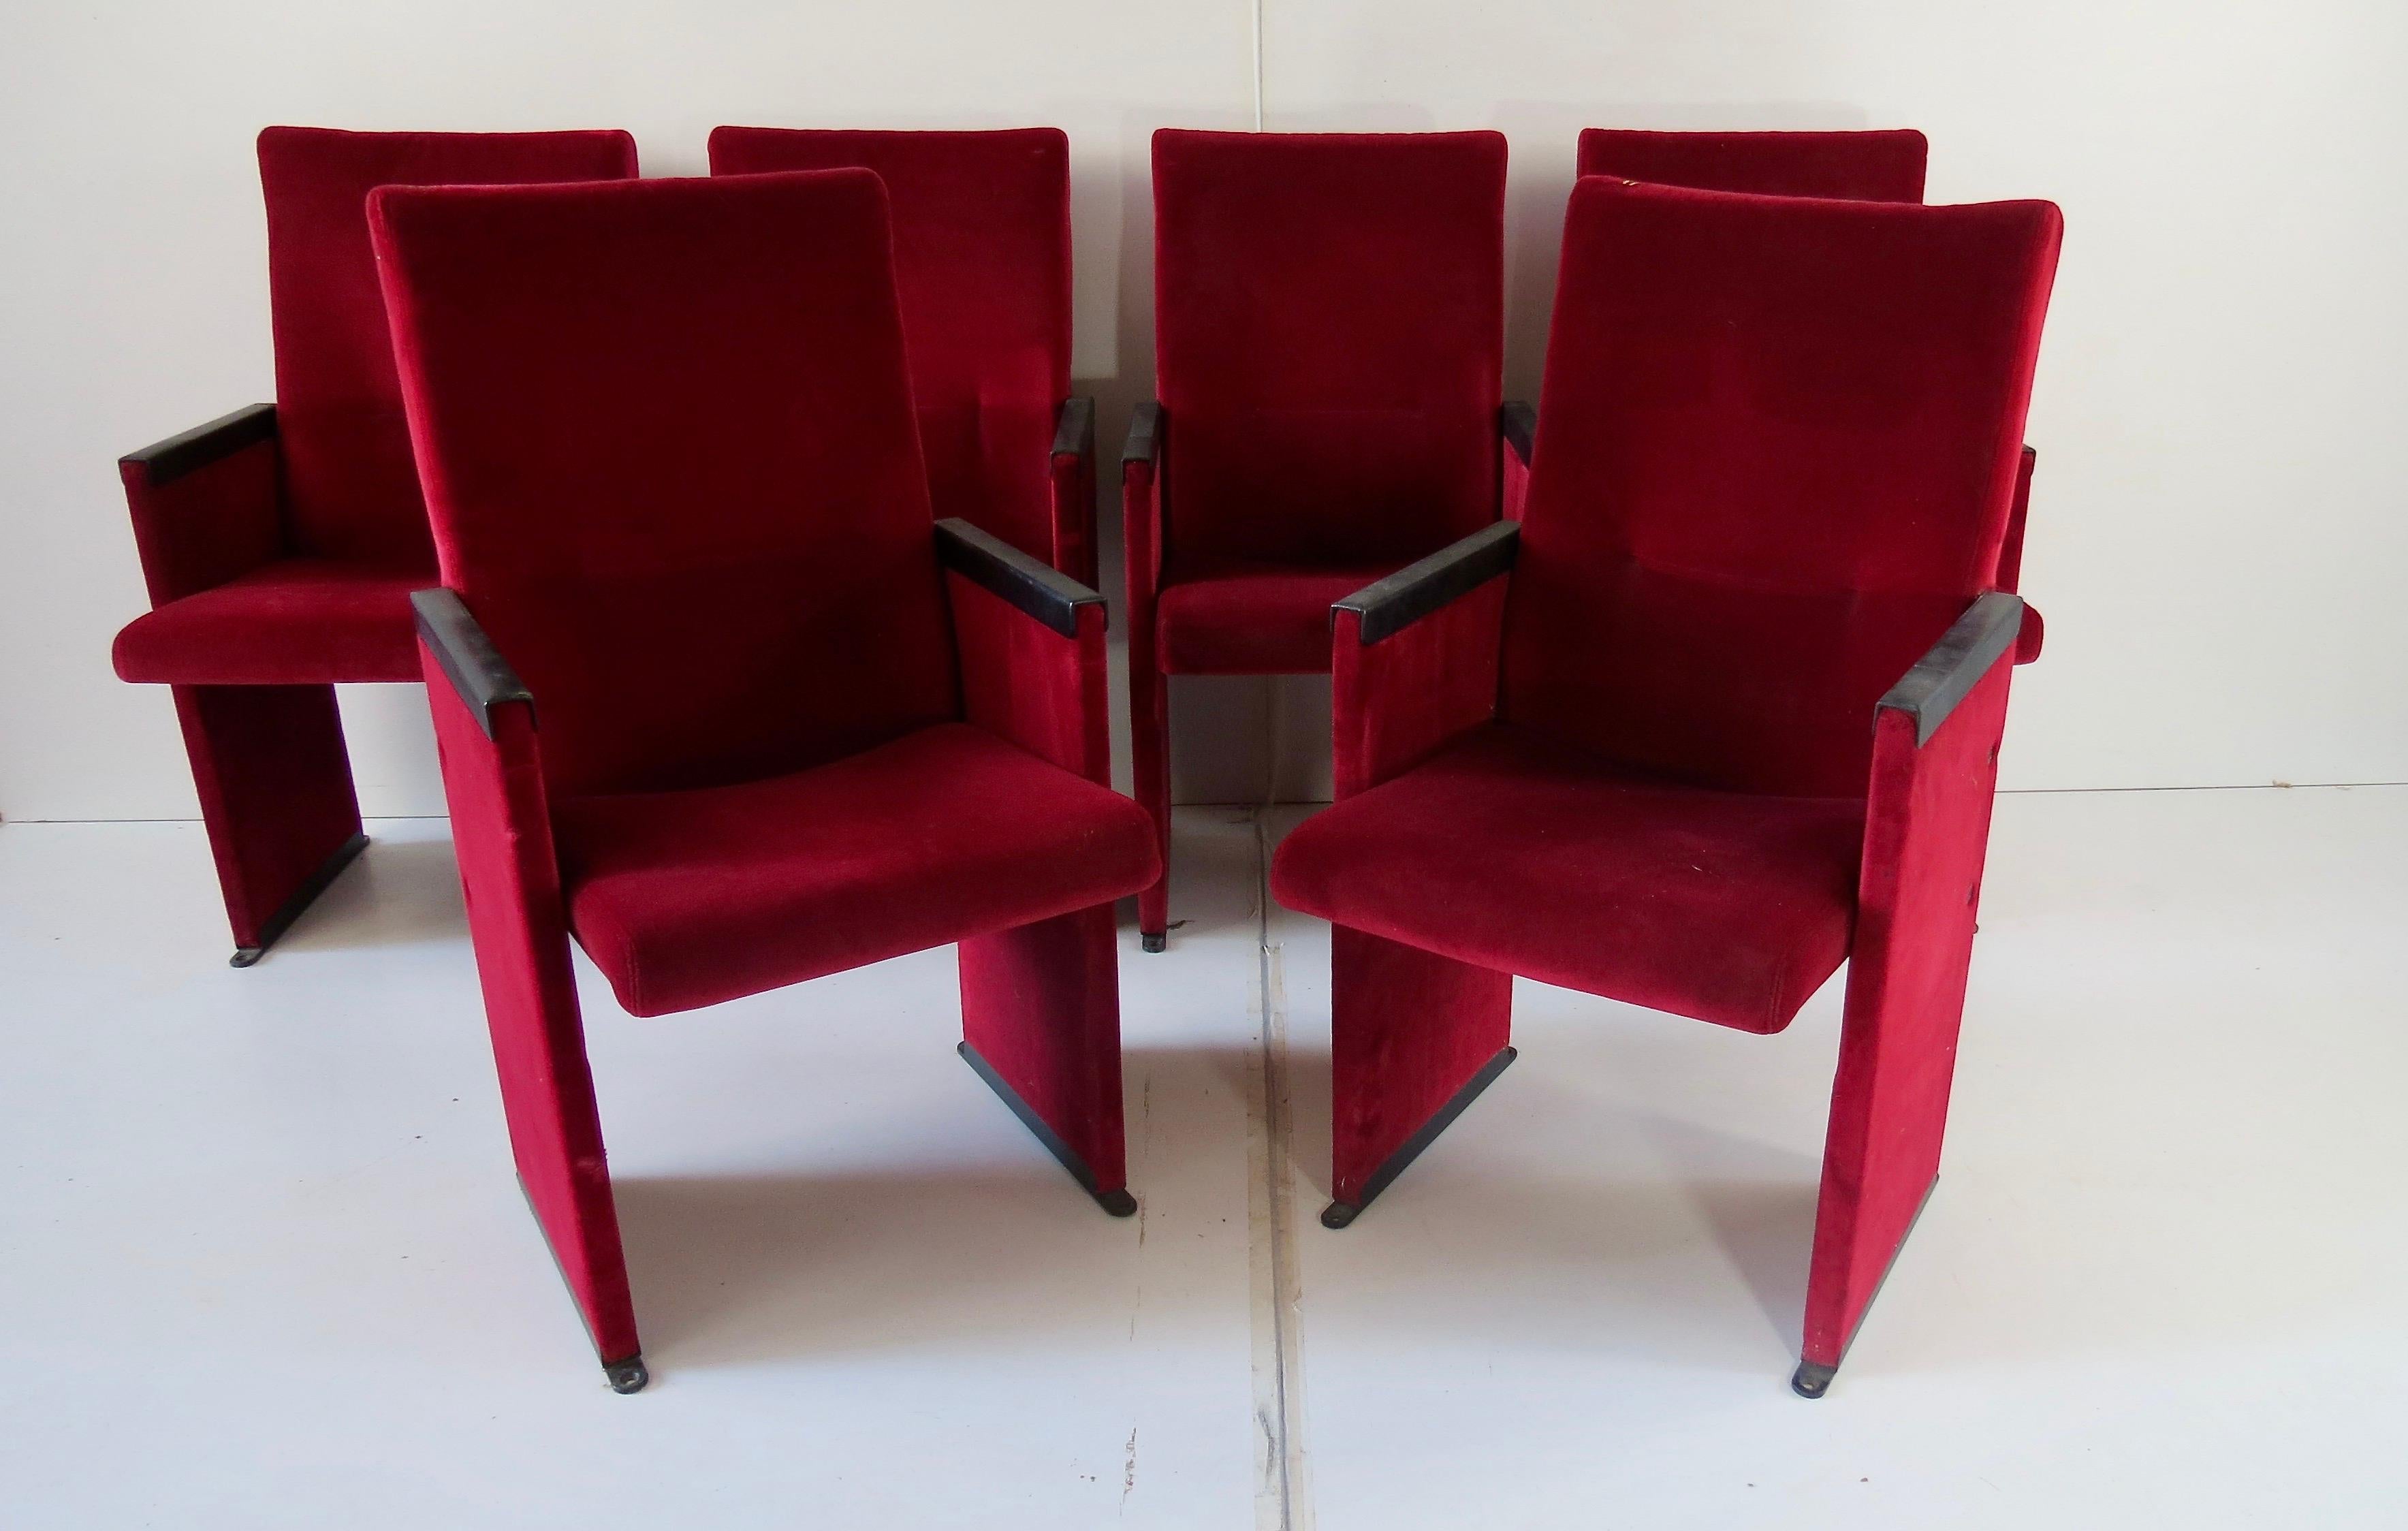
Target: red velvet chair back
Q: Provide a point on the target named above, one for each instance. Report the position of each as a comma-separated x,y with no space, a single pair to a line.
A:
351,491
1329,342
1865,166
983,263
1777,445
666,438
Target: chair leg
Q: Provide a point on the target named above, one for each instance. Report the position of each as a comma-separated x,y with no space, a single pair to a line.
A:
275,784
1889,1108
1042,1025
557,1137
1414,1038
1150,757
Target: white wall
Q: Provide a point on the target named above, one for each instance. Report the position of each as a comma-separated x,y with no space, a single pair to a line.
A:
2217,527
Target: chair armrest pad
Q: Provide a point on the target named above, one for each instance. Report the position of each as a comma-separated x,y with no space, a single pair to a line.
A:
476,669
1519,424
1074,427
1954,664
1036,588
1389,605
163,462
1144,444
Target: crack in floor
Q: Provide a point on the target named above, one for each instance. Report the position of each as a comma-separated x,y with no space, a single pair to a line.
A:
1282,1498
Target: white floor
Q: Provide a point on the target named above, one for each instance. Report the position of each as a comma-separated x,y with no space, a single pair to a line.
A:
262,1261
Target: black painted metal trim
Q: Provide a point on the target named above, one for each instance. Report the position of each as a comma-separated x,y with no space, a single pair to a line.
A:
165,462
1813,1378
1037,588
1337,1214
1119,1203
303,897
475,667
1519,425
1956,664
1074,427
1144,444
1389,605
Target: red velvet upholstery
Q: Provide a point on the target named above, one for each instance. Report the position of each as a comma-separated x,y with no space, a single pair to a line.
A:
282,553
1884,166
1329,355
199,527
688,899
1045,690
1779,444
1407,1029
248,630
2011,562
1727,907
652,664
1927,834
1514,493
1240,620
494,784
351,491
277,798
982,267
1777,457
667,441
1398,702
1329,343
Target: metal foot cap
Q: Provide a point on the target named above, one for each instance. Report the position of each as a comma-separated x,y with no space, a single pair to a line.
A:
246,956
1813,1380
1154,940
628,1376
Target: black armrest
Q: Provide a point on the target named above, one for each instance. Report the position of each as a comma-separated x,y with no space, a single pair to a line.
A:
166,461
1519,425
1037,587
476,669
1074,428
1403,599
1943,676
1145,435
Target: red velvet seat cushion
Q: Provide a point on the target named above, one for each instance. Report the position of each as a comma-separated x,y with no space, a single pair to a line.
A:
1263,620
1517,852
294,622
689,898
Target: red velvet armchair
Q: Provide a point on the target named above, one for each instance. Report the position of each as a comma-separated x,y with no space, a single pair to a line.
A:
714,693
1723,712
1877,165
1329,359
280,543
983,265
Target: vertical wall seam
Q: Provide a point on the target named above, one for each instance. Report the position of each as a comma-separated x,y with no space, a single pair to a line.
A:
1259,65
